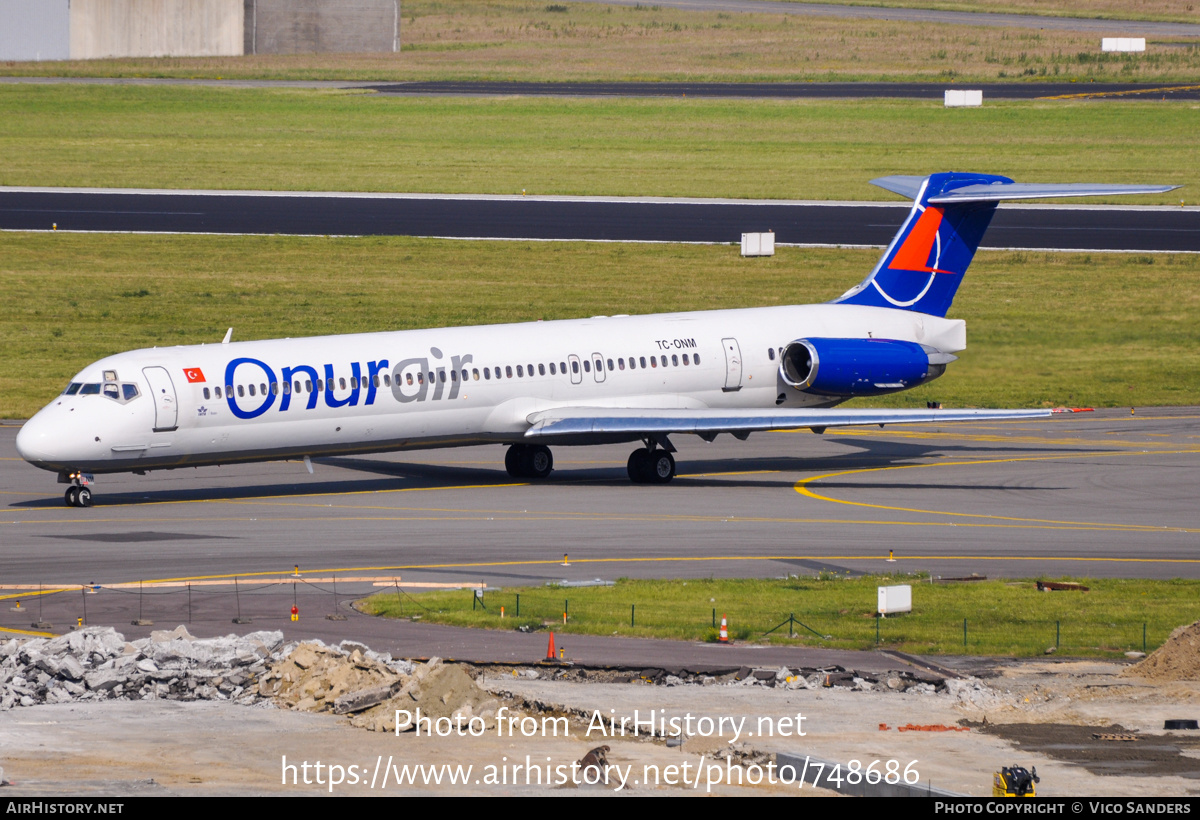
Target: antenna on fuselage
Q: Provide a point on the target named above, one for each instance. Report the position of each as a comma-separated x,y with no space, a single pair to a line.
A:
228,336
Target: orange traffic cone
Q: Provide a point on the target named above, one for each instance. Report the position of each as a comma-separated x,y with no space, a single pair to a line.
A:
724,637
550,649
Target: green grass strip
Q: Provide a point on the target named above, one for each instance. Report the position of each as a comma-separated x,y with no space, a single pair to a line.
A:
971,618
184,137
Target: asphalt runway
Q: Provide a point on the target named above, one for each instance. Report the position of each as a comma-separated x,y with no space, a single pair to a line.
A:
1093,228
1105,494
789,91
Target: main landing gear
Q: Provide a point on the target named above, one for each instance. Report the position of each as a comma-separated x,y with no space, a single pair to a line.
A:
651,466
528,461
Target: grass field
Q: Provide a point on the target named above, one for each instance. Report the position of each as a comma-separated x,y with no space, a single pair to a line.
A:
1002,617
1101,329
554,42
175,137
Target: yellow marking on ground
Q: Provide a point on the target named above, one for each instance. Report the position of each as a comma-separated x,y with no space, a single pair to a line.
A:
1087,94
11,631
921,559
282,580
42,589
802,488
1005,439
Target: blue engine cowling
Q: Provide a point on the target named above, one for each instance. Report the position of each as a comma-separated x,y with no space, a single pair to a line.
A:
859,367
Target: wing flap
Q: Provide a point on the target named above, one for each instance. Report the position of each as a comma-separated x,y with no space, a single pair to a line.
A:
577,421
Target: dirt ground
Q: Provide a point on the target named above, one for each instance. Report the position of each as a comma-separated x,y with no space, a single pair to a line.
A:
1087,727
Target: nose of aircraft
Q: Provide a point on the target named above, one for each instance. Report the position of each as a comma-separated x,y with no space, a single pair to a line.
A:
40,441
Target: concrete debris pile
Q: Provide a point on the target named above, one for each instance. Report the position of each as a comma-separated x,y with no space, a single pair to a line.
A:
313,677
97,663
439,691
1177,659
318,678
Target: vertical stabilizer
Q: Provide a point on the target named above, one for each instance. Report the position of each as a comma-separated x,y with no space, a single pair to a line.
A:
923,267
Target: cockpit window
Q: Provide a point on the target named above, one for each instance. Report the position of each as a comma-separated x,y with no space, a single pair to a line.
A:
89,390
130,391
72,388
111,391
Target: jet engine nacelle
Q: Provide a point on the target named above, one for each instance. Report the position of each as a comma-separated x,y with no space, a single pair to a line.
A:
859,367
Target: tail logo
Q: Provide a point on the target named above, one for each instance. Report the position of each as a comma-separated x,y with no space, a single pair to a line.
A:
922,248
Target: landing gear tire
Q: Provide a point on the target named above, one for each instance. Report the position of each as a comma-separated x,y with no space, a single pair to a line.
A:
662,467
539,461
529,461
77,496
513,459
650,467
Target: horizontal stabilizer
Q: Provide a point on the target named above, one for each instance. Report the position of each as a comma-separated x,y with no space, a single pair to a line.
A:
909,186
606,421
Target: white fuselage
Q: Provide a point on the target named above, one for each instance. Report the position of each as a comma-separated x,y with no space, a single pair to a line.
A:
371,392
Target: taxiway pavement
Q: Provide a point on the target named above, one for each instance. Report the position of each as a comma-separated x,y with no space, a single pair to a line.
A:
646,219
1105,494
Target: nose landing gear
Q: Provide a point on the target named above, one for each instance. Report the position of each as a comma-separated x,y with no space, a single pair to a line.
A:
77,495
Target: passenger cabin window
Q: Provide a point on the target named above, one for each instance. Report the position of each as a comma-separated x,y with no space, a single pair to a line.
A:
206,394
552,373
508,371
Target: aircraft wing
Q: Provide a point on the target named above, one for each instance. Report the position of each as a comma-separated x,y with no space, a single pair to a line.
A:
707,423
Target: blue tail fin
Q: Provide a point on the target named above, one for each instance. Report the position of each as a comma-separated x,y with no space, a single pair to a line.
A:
923,267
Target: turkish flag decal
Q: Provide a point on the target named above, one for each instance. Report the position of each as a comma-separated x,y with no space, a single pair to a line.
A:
194,374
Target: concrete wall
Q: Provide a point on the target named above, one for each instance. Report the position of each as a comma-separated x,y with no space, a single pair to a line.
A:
156,28
307,26
34,30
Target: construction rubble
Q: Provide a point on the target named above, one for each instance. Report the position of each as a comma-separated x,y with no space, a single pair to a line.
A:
261,668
